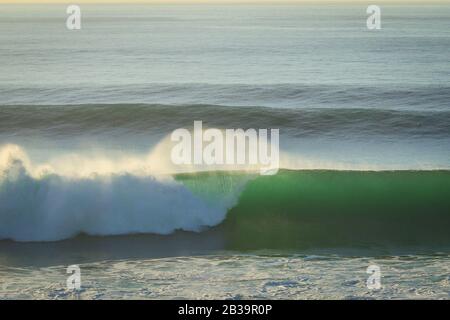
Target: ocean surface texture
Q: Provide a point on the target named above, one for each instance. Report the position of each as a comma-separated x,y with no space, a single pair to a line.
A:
86,177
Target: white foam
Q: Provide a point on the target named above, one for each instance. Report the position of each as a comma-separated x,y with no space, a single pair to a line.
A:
42,204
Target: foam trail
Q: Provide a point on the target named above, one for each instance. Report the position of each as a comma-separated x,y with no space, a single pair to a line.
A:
101,195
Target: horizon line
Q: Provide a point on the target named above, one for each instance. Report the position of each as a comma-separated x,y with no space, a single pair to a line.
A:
233,2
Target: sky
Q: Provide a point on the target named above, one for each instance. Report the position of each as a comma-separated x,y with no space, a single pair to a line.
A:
229,1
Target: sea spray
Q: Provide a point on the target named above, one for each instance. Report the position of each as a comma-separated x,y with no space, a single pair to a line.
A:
50,206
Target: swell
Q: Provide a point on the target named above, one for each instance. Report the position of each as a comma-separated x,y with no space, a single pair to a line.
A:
285,95
310,209
133,119
292,209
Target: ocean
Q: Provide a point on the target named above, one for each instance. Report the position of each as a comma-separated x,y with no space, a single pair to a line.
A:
86,179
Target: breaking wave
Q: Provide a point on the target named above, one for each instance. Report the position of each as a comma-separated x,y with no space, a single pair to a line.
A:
292,209
40,205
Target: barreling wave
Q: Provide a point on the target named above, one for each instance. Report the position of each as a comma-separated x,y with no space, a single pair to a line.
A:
293,209
41,205
323,208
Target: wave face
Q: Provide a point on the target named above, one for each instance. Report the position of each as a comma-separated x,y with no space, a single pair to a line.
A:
323,208
303,209
51,206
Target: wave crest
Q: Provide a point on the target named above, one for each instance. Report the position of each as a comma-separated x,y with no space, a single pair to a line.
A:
39,205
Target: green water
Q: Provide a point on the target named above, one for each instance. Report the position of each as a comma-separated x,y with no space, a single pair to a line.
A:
307,209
